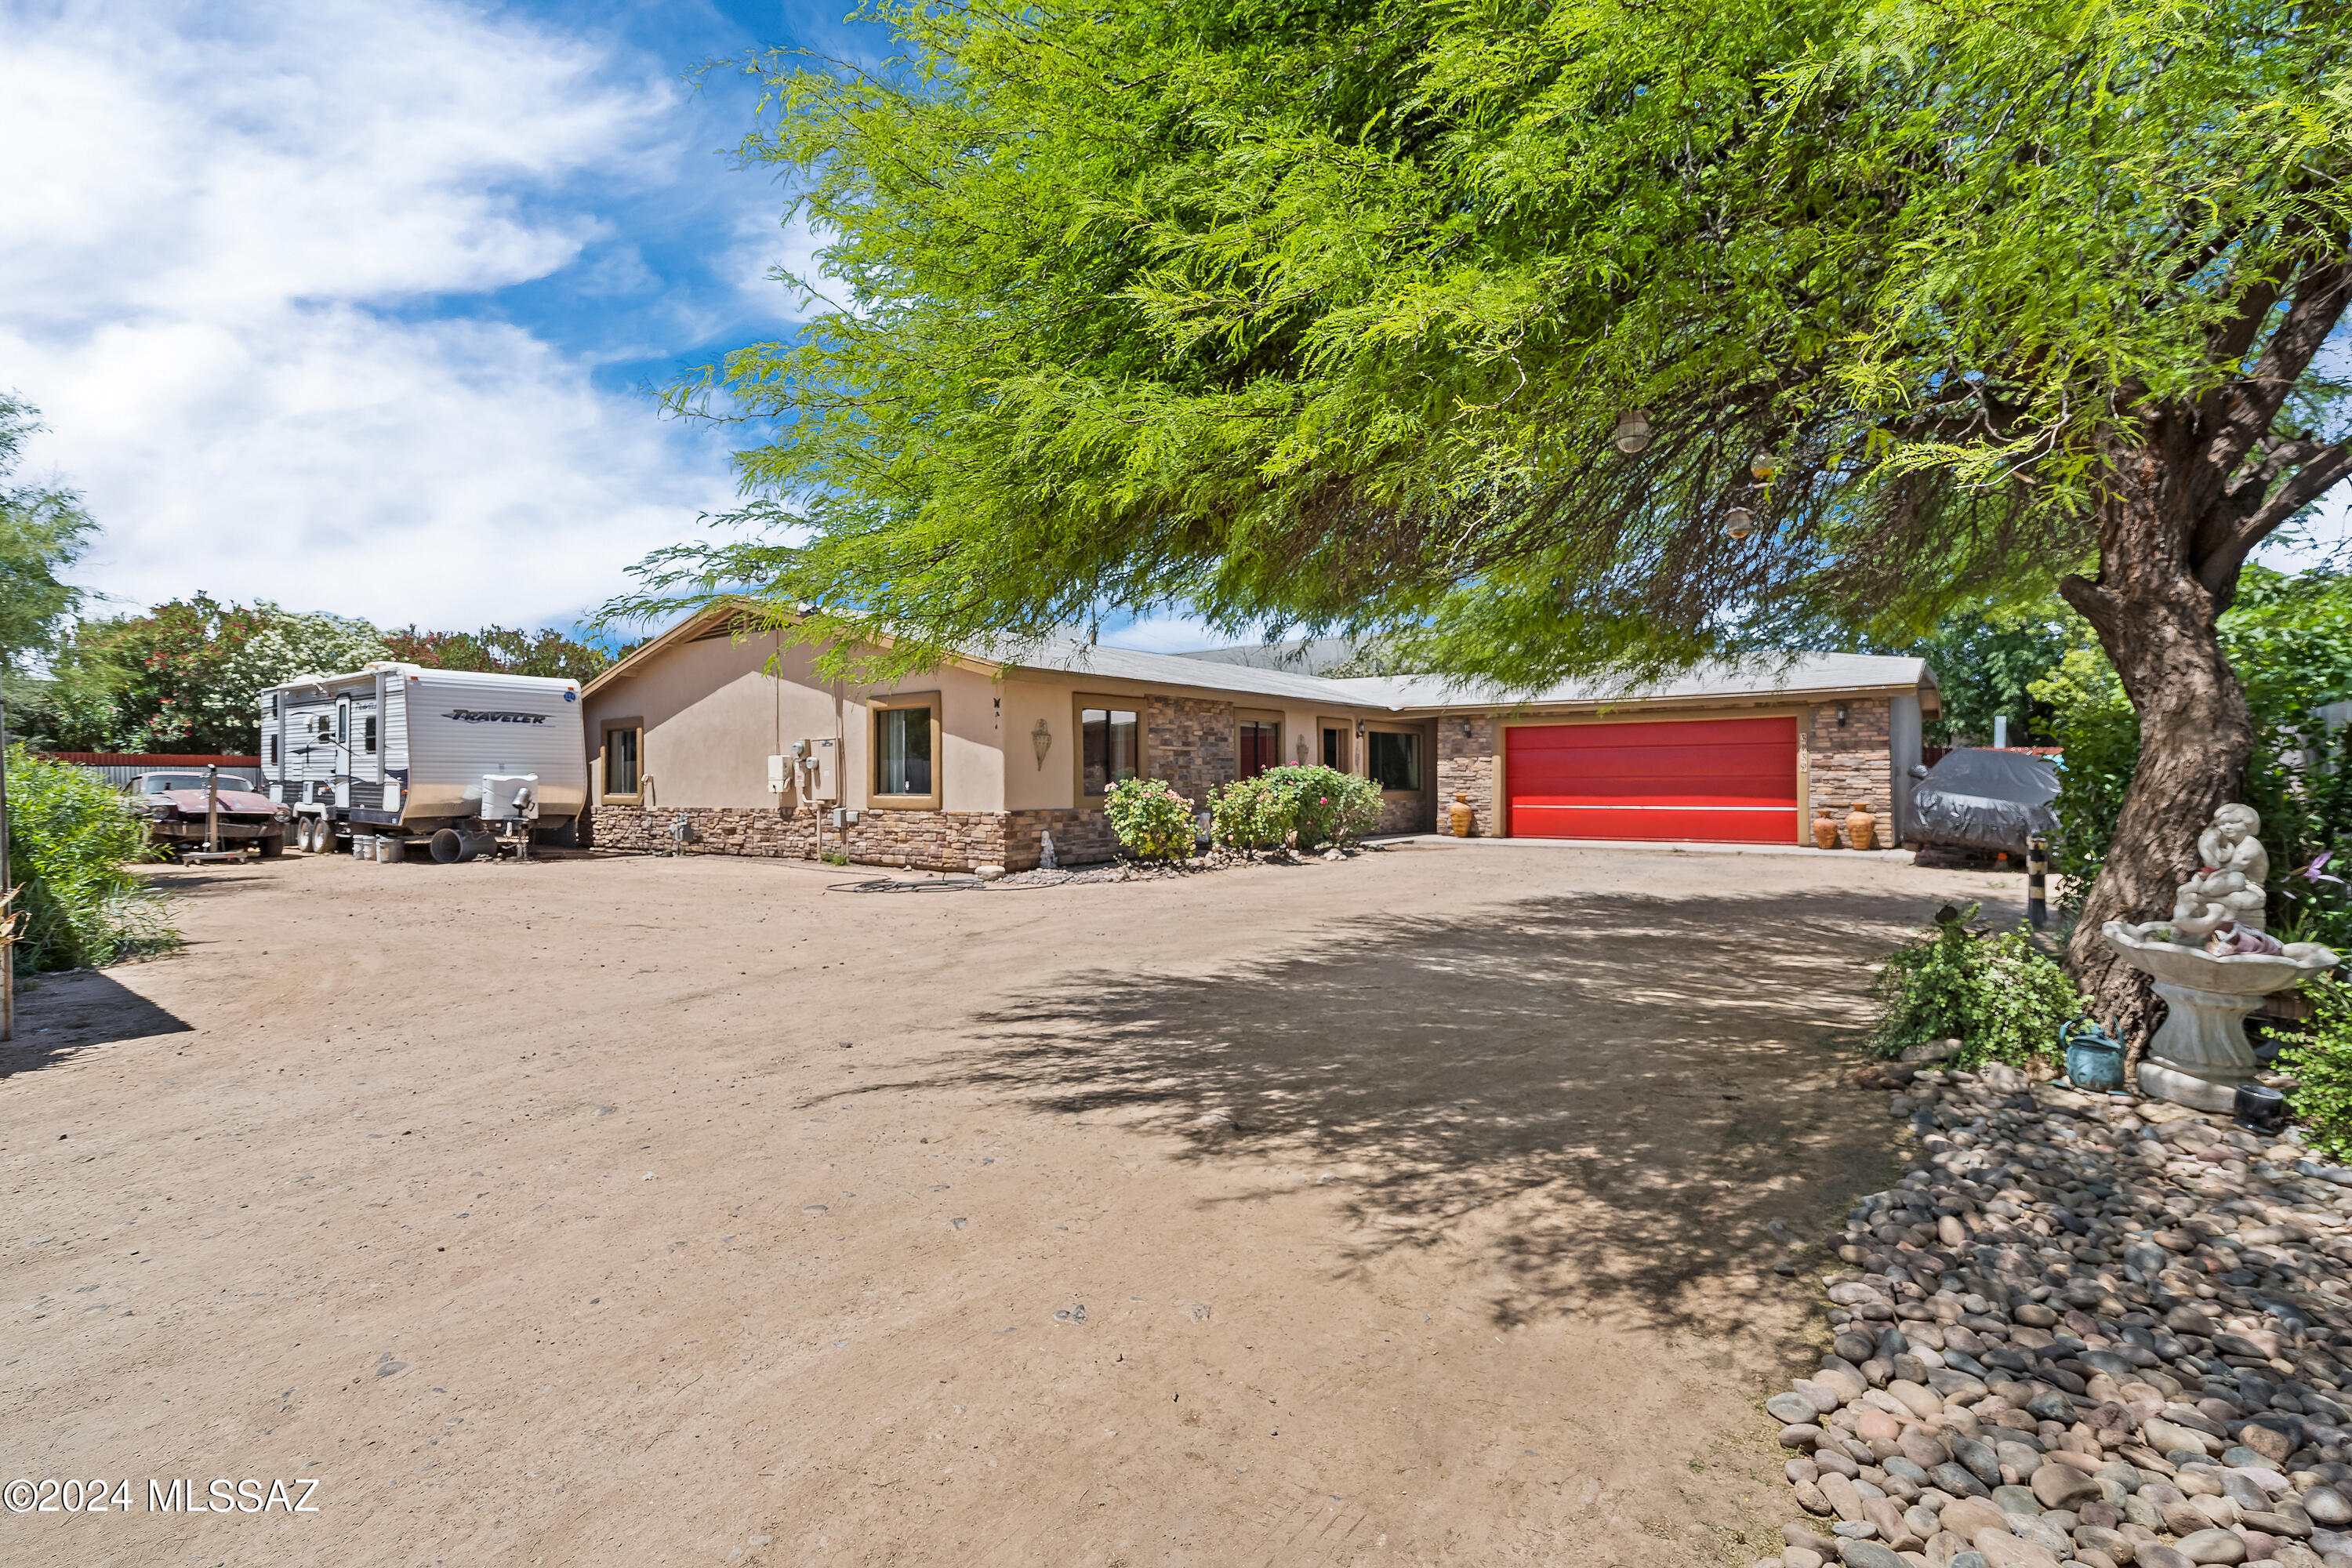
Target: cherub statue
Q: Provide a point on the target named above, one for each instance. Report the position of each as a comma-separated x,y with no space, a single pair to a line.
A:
2232,845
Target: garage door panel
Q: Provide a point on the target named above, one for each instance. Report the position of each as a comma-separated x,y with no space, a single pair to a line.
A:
1729,780
1695,824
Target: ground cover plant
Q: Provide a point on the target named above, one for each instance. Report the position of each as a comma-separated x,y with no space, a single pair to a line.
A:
1322,807
1995,992
72,840
2320,1061
1151,820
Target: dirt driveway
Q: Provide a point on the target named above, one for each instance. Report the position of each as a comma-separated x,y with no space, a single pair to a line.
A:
1410,1210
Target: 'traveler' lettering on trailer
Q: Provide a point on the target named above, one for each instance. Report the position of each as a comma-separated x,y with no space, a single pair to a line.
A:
473,716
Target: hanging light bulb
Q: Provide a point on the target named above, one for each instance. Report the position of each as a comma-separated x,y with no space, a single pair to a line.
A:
1763,467
1633,432
1740,522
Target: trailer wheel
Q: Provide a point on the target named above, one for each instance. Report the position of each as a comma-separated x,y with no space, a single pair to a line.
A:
449,848
302,839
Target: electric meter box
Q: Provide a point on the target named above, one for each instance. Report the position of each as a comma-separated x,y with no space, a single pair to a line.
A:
820,770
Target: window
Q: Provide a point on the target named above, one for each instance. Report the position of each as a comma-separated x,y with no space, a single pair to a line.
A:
343,722
1110,747
1395,759
273,750
326,727
1260,747
1335,747
906,753
369,730
622,774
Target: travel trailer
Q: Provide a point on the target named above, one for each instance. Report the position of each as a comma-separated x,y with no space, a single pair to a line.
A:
403,755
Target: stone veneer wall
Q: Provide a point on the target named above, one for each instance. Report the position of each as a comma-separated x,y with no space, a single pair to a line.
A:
920,840
1466,765
1190,742
1852,761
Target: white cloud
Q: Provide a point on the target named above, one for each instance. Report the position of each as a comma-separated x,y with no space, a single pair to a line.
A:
235,235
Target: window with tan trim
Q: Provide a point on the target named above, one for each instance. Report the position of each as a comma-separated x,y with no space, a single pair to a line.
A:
905,731
620,762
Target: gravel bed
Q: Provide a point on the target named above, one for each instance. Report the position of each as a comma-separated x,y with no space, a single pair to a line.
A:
2087,1328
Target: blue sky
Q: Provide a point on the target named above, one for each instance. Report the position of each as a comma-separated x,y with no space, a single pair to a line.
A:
350,303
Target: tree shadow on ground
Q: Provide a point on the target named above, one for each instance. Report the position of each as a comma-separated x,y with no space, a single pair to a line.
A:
1614,1095
64,1015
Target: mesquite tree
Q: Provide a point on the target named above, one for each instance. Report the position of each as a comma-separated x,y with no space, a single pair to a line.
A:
1330,316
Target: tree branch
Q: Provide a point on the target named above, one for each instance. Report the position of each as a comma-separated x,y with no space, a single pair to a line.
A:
2248,402
2219,569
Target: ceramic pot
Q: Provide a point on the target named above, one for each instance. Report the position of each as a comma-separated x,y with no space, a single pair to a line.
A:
1860,824
1461,816
1825,830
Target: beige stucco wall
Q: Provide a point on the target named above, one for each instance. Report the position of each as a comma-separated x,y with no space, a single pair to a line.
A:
714,715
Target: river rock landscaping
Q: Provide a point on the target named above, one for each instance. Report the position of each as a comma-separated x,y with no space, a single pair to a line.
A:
2086,1327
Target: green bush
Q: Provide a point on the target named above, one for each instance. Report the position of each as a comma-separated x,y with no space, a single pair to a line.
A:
2321,1066
1998,994
1153,821
72,839
1322,805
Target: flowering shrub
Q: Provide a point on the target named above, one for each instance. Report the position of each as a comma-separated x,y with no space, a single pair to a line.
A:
1150,818
1322,805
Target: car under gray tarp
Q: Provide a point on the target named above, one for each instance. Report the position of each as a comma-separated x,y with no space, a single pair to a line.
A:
1984,799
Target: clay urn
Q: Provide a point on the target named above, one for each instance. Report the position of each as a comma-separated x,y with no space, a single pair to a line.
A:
1859,824
1824,829
1462,816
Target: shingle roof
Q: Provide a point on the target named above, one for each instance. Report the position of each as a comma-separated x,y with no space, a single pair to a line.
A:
1759,677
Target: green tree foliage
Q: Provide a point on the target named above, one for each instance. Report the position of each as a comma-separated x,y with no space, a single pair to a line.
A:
1151,820
72,840
1986,664
1326,313
184,676
43,530
503,650
1995,992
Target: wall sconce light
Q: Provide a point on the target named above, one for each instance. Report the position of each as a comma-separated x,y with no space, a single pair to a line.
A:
1840,714
1042,738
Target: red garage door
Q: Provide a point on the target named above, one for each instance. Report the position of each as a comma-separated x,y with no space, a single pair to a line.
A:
1724,780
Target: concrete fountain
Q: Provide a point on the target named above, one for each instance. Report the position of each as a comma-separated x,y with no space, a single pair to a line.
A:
2213,964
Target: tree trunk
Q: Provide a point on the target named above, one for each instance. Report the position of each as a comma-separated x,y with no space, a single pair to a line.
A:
2159,624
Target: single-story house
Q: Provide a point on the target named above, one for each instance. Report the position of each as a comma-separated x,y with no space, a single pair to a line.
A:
695,740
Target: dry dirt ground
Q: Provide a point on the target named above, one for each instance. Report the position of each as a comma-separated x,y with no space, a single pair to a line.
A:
658,1211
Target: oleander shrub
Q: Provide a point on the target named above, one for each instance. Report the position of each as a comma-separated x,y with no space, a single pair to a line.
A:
1151,820
1996,992
1322,805
72,840
2320,1062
